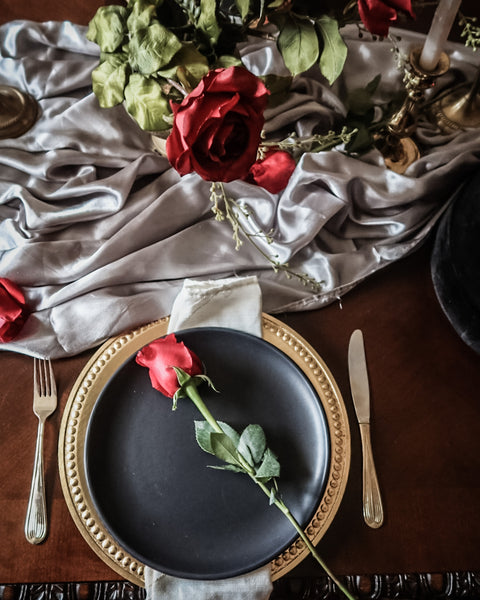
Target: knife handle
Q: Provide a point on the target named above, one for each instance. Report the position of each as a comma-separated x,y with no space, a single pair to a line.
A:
372,501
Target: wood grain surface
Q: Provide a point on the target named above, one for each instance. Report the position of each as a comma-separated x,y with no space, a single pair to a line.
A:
425,386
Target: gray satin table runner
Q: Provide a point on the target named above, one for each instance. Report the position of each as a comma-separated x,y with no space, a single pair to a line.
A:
100,232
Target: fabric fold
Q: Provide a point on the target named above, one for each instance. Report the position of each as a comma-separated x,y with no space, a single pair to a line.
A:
96,226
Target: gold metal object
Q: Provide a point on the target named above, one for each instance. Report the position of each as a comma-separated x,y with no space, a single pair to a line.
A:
459,109
357,367
97,373
399,150
18,112
44,404
372,500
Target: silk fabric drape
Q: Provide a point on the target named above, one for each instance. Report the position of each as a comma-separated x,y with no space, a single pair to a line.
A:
100,232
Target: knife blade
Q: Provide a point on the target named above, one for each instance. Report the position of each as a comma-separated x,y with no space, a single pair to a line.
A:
359,385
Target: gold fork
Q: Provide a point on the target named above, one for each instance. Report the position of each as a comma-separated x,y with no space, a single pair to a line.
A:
44,404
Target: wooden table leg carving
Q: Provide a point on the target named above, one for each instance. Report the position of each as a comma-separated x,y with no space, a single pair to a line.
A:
427,586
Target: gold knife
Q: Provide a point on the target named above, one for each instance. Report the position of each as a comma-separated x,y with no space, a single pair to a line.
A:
357,367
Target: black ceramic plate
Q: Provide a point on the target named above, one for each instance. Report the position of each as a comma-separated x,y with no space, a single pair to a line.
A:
151,484
455,263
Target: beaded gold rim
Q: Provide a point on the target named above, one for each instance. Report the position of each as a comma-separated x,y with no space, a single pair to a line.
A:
98,371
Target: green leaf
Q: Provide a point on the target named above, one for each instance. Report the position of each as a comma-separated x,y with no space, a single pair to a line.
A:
228,60
359,100
152,48
334,53
108,27
230,431
207,21
145,101
273,496
109,80
224,448
191,59
361,141
298,44
204,430
243,6
233,468
142,15
252,443
269,468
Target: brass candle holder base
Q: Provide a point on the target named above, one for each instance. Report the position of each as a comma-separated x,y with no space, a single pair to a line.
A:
399,149
18,112
459,109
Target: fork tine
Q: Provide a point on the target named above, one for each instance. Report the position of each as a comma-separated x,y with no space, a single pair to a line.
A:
35,376
44,379
53,385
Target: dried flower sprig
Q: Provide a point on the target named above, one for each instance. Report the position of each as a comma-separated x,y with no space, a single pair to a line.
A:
470,31
313,143
227,208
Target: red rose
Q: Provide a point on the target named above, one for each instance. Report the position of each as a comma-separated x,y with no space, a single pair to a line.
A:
273,172
13,311
216,131
161,356
378,15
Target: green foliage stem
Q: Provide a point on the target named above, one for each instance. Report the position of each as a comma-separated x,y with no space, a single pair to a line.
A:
227,447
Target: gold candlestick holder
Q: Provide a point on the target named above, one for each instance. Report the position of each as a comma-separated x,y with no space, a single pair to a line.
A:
398,148
459,109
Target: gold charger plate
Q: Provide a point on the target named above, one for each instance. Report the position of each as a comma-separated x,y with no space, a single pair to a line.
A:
95,376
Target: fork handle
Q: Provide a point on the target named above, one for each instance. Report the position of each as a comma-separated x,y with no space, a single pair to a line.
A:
36,519
372,501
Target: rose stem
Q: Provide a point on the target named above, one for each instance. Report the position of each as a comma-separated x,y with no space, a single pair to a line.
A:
190,389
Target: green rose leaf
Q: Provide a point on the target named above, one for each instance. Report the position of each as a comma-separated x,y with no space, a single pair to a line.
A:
243,6
269,468
232,468
224,448
359,100
143,12
272,497
188,57
298,44
362,140
228,60
146,103
109,80
204,430
334,53
252,443
108,27
152,48
207,21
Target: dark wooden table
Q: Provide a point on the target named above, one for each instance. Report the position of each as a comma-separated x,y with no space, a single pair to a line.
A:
426,439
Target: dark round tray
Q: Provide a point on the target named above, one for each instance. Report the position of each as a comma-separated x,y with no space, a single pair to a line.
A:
455,263
151,484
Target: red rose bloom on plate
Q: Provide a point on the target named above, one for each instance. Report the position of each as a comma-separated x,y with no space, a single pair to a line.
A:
217,127
378,15
13,311
161,356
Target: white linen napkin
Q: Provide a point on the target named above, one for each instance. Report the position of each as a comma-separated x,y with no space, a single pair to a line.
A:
235,303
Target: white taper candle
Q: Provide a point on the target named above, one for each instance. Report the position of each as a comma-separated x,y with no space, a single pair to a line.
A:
438,33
